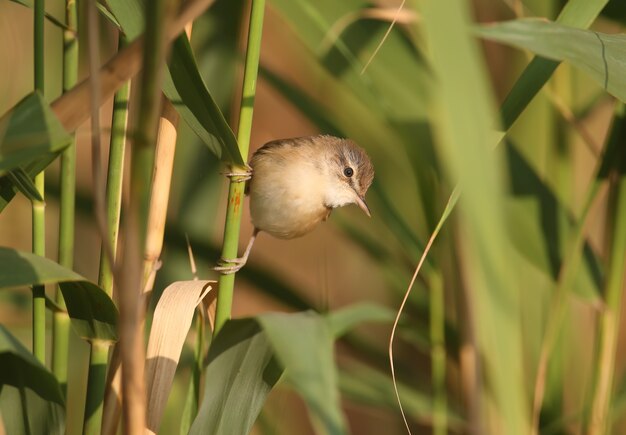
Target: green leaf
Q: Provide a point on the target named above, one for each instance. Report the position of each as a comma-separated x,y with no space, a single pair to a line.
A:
30,131
31,400
92,312
184,86
24,184
31,137
343,320
240,373
303,344
576,13
108,15
532,214
598,54
246,357
464,123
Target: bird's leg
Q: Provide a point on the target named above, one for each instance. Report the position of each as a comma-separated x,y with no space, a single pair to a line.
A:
236,264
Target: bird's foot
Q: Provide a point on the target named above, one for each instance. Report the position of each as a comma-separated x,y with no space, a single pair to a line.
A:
227,267
239,175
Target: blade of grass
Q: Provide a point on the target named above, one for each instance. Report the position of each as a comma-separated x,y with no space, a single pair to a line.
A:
595,53
236,187
609,320
576,13
464,128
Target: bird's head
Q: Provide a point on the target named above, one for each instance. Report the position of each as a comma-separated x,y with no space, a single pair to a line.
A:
350,174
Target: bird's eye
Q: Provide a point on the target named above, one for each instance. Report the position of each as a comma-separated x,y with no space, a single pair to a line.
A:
348,172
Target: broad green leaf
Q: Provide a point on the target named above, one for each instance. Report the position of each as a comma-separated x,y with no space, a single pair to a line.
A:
303,344
184,86
92,312
576,13
598,54
31,400
186,89
30,138
248,356
30,131
464,122
240,373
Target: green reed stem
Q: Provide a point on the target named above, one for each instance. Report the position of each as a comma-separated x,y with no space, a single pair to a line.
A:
61,321
39,222
438,353
236,188
96,382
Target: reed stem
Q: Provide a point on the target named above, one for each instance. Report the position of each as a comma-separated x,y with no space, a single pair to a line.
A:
96,383
61,321
438,353
236,188
39,230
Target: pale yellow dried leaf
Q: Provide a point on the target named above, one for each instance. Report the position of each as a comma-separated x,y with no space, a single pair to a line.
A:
172,319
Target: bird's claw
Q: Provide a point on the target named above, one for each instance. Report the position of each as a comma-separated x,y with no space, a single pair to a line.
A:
240,176
231,266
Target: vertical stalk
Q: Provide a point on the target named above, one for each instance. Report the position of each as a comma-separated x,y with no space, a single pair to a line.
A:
609,319
61,321
96,382
438,353
39,231
236,188
131,334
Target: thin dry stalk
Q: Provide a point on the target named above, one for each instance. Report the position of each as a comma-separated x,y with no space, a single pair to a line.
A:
399,16
454,196
384,38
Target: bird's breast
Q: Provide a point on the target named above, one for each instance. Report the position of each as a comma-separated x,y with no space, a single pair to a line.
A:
286,200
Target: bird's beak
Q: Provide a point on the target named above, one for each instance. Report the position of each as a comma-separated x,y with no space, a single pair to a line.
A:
363,205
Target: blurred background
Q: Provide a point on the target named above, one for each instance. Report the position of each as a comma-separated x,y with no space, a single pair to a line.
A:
311,81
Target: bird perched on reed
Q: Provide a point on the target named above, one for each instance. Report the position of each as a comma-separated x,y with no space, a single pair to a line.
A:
295,184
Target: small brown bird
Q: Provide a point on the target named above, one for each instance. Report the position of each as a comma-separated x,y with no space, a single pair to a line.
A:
296,183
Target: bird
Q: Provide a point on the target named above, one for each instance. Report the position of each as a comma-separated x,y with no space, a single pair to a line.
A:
295,183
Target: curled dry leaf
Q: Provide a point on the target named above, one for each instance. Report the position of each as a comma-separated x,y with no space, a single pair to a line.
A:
172,319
